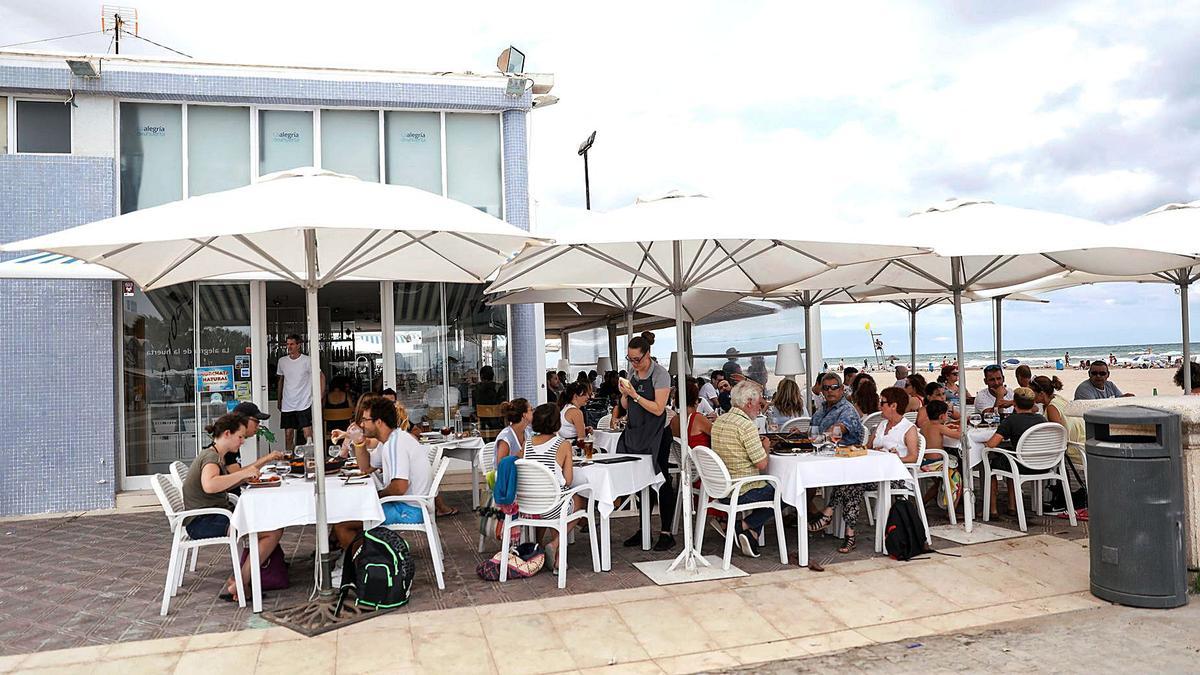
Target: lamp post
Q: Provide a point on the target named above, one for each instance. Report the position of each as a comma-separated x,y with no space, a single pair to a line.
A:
583,152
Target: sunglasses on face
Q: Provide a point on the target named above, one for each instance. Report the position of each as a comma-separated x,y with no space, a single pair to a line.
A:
830,387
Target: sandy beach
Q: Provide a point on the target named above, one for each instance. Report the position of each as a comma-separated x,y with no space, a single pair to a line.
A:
1138,381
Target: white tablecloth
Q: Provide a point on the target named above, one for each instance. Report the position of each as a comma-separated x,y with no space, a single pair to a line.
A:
461,448
605,441
295,503
797,473
976,438
609,481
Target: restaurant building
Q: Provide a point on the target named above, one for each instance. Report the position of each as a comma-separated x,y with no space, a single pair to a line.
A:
107,383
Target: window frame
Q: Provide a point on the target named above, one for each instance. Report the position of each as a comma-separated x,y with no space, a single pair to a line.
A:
15,99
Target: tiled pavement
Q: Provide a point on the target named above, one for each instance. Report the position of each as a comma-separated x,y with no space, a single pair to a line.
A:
685,628
97,580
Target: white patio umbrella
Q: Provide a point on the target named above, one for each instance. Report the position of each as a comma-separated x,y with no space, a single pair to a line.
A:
306,226
909,302
1003,246
697,303
681,243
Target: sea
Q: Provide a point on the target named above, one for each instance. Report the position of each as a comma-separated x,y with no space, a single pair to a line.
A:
1126,355
1130,355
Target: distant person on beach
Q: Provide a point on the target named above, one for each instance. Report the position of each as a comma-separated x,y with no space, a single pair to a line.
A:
1195,368
1112,359
1098,386
731,365
1066,360
996,396
901,377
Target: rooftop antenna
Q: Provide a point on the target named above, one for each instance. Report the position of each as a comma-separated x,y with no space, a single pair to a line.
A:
118,19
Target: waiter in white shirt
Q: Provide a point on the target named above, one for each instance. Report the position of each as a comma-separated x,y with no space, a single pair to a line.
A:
295,393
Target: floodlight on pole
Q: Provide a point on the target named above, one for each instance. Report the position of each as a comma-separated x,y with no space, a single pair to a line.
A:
587,185
85,68
511,61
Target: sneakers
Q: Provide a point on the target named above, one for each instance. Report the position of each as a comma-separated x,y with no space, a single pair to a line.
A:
748,542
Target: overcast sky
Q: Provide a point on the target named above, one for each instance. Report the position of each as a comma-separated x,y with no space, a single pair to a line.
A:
838,111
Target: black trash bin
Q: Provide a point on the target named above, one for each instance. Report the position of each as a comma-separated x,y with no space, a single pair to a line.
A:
1135,506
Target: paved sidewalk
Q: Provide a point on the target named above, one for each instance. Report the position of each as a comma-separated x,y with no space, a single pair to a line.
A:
686,628
1102,639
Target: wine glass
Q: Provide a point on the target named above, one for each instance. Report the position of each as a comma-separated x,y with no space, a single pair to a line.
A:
835,434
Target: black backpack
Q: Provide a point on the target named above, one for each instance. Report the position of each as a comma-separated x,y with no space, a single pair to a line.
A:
381,572
904,535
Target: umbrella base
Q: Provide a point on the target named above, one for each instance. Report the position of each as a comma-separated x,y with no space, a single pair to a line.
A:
708,568
322,615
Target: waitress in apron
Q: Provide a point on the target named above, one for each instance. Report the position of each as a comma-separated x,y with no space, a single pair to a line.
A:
644,401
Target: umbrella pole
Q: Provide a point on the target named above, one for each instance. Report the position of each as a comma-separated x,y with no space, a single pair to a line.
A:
628,316
808,364
690,555
1187,337
998,308
964,443
324,581
912,335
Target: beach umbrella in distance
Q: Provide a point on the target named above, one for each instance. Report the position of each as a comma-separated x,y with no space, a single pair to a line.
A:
306,226
982,246
683,242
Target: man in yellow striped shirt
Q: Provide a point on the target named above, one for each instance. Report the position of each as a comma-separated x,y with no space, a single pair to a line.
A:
736,441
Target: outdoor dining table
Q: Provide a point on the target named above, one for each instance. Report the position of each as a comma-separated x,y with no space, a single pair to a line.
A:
797,473
294,503
466,449
610,481
605,441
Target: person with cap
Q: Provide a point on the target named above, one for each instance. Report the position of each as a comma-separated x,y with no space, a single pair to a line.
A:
233,460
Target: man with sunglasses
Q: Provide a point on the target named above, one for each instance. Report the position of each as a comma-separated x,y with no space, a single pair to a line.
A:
995,397
836,410
1097,386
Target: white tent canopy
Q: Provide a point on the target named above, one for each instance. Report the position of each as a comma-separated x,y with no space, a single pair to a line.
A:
697,303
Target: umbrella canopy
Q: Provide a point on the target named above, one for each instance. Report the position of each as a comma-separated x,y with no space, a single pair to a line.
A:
724,246
697,303
308,226
360,229
1007,246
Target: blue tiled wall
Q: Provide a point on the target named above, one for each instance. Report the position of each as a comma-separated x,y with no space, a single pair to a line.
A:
56,348
262,90
527,357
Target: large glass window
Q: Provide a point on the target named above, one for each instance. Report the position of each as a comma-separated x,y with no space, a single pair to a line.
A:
224,375
43,126
218,148
419,378
151,155
159,376
414,149
477,351
285,140
473,160
3,124
350,142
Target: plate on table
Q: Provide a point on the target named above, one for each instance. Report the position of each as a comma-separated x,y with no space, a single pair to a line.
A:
264,482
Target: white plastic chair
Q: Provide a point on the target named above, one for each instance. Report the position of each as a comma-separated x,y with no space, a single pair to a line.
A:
869,423
911,416
800,424
538,493
428,523
171,500
913,490
716,485
487,464
944,475
1042,450
434,454
179,473
677,471
604,422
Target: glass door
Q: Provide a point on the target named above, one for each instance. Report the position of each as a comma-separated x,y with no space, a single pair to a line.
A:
158,345
224,376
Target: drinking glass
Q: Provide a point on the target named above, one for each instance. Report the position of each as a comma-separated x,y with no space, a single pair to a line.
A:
975,419
835,434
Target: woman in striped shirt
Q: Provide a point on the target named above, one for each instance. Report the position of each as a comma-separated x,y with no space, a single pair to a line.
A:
553,452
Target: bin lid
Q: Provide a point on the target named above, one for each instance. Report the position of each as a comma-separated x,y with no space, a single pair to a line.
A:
1130,414
1132,446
